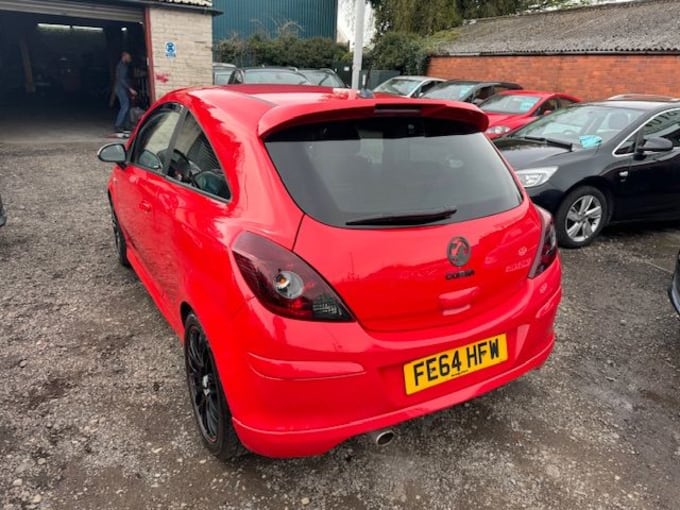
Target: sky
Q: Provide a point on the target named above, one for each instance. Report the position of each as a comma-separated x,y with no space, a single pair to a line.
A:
346,22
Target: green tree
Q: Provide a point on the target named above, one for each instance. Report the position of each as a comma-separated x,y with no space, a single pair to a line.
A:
415,16
400,51
425,17
285,50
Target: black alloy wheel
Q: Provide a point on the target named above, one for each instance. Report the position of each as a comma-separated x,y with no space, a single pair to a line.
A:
208,401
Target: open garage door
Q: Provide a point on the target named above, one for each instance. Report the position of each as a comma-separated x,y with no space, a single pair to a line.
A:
88,10
57,63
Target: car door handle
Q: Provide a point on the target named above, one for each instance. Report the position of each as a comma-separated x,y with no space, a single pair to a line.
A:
145,206
623,174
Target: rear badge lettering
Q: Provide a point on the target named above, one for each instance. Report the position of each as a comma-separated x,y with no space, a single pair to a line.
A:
454,275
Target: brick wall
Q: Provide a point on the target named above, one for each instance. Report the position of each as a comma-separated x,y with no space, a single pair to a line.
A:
585,76
192,34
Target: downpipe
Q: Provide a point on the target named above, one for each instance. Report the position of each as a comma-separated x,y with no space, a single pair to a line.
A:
381,437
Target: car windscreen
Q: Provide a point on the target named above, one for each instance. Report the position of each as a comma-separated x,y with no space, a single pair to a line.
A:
398,86
275,76
583,125
456,91
510,104
324,78
342,172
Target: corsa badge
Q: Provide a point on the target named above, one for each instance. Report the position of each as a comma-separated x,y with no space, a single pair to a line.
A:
459,251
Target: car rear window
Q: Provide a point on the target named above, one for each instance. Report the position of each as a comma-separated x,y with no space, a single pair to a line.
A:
398,86
341,172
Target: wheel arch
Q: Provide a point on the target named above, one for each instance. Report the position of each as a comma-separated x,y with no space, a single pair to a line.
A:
184,310
603,186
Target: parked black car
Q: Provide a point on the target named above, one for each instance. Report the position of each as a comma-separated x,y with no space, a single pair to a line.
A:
595,163
674,291
469,91
3,216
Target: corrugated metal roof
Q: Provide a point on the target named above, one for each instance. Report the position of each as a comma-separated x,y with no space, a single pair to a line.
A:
198,3
638,26
311,18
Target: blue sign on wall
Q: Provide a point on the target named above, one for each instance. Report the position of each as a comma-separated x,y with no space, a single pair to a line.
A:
170,49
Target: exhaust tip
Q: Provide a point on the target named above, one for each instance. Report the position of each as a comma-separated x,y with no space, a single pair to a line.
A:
381,437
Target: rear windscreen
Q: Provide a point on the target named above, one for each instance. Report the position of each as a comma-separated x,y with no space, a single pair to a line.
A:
342,172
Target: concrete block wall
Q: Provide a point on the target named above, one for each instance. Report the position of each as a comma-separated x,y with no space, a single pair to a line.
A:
588,77
192,34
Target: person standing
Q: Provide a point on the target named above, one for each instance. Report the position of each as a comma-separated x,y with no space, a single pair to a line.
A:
123,90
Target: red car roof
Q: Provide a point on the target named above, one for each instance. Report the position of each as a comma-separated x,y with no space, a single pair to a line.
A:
540,93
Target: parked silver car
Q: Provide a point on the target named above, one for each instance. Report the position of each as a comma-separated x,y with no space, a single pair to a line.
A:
222,73
408,86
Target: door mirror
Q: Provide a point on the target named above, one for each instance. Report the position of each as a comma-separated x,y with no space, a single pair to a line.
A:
547,112
113,153
655,144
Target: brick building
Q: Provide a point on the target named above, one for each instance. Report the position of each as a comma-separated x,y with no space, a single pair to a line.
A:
65,51
591,52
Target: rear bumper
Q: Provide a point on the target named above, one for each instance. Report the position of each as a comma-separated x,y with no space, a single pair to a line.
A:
300,389
297,443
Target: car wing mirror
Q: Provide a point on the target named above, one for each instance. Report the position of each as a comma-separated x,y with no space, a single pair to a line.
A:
655,144
547,112
113,153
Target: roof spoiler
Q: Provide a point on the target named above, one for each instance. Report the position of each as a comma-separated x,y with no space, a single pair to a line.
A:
352,106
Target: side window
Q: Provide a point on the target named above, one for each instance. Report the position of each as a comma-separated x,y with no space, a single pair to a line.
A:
564,102
151,145
194,162
665,125
236,77
425,87
484,93
549,106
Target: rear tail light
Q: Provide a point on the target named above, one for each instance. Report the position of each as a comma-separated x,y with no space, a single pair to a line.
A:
547,249
284,283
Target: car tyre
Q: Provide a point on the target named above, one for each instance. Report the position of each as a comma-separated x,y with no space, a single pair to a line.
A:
581,217
208,400
119,239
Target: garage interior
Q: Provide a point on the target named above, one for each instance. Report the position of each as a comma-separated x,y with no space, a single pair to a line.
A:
57,63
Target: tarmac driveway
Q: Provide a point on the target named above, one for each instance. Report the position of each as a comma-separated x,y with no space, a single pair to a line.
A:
94,411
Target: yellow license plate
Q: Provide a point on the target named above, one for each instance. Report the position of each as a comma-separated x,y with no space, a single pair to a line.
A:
432,370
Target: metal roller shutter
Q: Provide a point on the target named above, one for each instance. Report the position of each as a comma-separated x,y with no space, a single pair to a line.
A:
74,9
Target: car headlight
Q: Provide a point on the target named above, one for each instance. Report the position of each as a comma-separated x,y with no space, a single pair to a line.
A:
532,177
497,130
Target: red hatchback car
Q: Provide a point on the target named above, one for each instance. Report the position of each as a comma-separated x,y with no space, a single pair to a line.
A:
333,264
513,109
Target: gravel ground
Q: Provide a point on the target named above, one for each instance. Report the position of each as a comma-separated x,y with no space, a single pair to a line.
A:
94,412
